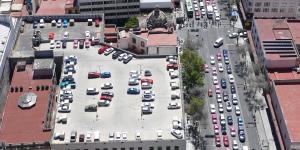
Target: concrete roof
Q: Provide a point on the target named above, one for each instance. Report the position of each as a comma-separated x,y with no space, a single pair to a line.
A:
25,125
288,96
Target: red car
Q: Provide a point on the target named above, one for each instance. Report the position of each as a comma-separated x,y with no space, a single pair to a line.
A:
214,118
209,93
75,44
101,50
172,66
87,43
97,22
147,80
225,141
206,68
105,97
219,57
51,35
92,75
218,140
216,129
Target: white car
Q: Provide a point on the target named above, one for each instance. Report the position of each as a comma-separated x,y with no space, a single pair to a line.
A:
234,101
212,108
173,74
231,78
106,86
220,67
148,104
235,145
92,91
59,22
88,137
42,23
214,71
174,85
124,136
52,44
218,89
228,106
87,34
212,60
64,109
173,105
220,107
149,92
133,81
177,133
233,35
148,97
121,57
237,110
58,44
219,98
66,35
117,136
215,80
203,12
146,85
111,136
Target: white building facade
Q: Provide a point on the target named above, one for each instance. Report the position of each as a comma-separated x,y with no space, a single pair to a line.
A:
272,8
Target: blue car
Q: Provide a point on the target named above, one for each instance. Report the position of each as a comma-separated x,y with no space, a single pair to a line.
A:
105,75
133,91
65,24
242,136
225,52
240,121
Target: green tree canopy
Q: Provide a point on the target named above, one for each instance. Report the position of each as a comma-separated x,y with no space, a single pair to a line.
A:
193,71
195,105
132,22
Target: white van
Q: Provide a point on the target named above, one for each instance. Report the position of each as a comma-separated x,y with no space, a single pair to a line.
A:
96,136
201,5
218,42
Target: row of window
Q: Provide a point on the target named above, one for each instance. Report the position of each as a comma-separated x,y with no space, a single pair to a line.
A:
275,4
139,148
282,10
113,8
101,2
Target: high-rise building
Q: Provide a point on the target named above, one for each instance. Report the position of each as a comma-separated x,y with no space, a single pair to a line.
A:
113,9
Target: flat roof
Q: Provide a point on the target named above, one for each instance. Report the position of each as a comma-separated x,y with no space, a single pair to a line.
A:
288,96
283,75
50,7
25,125
124,112
163,39
295,30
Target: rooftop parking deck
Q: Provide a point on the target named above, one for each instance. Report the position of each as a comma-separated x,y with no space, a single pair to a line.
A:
124,112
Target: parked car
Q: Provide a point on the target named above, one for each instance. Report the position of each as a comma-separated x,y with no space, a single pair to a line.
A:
58,44
116,54
107,93
147,73
105,97
64,109
146,85
219,57
121,57
226,60
106,86
75,44
133,90
127,58
146,110
92,75
232,132
237,110
228,106
87,34
233,35
235,145
214,118
51,35
232,89
92,91
220,67
231,78
229,120
105,74
177,133
102,49
171,57
59,23
223,83
218,140
103,103
226,141
206,69
65,23
87,43
81,44
73,136
216,129
242,137
90,108
147,80
240,121
212,60
97,22
228,68
64,44
52,44
148,97
42,23
209,93
108,51
174,105
172,66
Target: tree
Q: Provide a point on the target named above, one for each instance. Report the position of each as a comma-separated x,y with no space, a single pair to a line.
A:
193,71
196,105
132,22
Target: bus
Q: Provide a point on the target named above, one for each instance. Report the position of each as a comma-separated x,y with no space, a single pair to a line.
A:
189,8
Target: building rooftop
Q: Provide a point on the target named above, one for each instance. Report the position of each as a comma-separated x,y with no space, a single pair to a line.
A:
288,97
163,39
283,75
295,30
25,125
50,7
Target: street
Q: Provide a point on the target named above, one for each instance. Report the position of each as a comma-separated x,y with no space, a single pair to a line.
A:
202,40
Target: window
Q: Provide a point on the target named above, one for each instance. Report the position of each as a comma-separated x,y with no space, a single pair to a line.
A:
122,148
114,149
16,89
168,148
274,10
266,10
250,3
257,4
140,148
151,148
176,147
105,148
266,4
257,10
282,9
131,148
97,149
12,89
21,89
134,40
159,148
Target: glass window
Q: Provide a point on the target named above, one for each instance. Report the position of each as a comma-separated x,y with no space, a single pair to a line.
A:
274,10
151,148
266,10
122,148
131,148
258,4
257,10
168,148
140,148
159,148
176,147
266,4
282,9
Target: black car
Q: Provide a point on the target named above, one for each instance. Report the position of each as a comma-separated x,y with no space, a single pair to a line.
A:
223,83
232,89
229,120
116,54
223,130
228,68
127,59
64,44
108,94
81,44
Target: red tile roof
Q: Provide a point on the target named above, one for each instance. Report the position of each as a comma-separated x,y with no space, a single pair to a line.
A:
283,75
288,97
52,7
275,29
295,30
25,125
162,39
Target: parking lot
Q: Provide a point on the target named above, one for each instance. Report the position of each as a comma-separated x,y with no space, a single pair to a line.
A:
124,112
75,32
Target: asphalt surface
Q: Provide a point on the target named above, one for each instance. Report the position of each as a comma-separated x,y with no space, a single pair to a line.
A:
204,39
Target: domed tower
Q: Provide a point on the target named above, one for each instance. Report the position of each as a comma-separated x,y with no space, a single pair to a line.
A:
156,19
